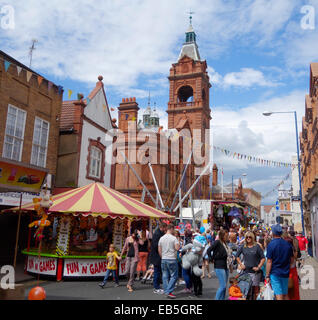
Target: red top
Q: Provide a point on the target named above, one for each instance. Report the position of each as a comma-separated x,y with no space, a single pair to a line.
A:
302,241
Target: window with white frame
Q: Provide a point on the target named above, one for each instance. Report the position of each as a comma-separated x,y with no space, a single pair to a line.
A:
14,134
95,162
40,141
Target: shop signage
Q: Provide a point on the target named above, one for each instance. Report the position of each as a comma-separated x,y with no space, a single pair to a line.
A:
19,178
118,234
63,237
88,267
42,265
13,198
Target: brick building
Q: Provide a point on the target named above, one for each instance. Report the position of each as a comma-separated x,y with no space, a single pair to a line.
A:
188,108
309,156
30,107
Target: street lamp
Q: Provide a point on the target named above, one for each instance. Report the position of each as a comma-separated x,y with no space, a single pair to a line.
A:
268,113
243,175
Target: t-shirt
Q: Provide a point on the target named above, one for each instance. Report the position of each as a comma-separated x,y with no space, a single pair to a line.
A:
112,260
167,244
251,256
280,252
302,241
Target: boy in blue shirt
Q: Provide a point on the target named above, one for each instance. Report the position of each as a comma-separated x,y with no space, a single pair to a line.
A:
279,255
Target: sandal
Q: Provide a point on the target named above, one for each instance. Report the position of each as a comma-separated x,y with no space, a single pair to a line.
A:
209,276
130,289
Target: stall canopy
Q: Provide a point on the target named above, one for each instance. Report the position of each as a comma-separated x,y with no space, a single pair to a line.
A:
98,200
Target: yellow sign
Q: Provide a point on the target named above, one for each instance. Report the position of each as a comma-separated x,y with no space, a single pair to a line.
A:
19,178
205,221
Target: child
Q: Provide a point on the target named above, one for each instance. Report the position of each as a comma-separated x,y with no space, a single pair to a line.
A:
112,258
235,292
149,274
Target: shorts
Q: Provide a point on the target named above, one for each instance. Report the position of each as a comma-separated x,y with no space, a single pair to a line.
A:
279,285
256,278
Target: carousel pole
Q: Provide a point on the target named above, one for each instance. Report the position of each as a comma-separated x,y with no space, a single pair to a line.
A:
156,185
194,184
17,235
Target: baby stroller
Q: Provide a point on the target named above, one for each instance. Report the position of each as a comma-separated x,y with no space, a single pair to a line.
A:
245,284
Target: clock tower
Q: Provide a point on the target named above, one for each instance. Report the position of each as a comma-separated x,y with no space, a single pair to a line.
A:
189,96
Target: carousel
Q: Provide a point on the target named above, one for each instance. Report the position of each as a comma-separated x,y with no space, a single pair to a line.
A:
69,233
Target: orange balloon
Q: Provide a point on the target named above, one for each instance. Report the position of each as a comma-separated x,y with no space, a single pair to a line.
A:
37,293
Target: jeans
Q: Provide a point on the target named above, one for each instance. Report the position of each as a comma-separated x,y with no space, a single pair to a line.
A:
169,274
115,277
186,274
222,276
156,276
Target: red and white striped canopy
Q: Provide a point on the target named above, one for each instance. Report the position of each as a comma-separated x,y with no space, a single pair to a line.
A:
99,200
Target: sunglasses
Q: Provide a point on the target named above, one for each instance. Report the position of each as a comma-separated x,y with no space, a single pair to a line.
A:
248,237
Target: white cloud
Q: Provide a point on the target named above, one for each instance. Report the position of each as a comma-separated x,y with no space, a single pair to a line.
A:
247,77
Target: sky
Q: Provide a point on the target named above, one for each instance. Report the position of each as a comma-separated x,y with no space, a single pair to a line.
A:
258,55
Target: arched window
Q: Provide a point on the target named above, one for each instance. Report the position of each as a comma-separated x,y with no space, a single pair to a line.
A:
185,94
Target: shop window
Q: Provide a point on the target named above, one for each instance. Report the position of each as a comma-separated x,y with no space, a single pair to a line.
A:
96,161
14,134
40,142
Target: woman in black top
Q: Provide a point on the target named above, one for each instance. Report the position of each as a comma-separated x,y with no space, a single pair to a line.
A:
143,248
253,260
220,255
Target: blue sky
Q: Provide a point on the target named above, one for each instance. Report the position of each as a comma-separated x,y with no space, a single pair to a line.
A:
257,51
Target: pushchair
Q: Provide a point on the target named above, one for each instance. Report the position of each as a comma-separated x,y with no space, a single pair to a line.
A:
245,284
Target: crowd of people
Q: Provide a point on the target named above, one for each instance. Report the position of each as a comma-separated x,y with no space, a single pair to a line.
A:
246,260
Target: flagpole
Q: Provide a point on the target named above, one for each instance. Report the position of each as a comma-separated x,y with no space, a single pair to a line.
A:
222,185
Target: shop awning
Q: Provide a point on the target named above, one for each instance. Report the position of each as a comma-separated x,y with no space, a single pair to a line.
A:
98,200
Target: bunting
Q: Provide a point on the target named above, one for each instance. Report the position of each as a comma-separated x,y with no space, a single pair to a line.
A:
263,162
69,92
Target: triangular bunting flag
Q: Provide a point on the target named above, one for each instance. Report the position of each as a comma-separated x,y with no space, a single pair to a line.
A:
29,75
19,69
6,65
40,79
104,107
88,100
69,93
60,89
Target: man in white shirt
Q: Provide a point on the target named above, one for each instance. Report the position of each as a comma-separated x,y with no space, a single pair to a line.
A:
168,247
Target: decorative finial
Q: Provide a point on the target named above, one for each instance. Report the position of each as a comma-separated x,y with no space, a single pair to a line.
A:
190,16
149,99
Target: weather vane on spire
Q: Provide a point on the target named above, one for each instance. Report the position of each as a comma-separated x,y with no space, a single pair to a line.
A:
190,17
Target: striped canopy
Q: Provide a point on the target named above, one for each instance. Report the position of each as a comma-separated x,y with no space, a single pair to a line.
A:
98,200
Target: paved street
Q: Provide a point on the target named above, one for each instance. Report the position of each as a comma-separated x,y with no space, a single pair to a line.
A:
89,290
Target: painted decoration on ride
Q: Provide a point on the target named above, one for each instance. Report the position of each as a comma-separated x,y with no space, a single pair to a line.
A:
118,234
88,268
20,178
42,265
64,236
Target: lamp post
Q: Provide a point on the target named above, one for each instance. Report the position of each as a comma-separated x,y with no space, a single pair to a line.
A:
243,175
269,113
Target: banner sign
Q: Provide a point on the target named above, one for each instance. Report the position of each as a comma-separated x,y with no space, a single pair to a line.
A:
42,265
88,267
18,178
13,198
63,237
